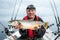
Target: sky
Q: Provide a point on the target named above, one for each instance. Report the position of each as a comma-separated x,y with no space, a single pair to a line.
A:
43,9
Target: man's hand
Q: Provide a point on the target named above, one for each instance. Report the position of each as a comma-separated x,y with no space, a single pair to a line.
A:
37,27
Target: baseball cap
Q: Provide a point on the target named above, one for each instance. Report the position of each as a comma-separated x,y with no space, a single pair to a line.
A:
30,7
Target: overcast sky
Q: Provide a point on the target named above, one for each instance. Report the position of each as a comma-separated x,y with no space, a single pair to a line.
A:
43,9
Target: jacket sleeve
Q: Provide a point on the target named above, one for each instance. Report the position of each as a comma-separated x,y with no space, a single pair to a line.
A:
23,33
40,32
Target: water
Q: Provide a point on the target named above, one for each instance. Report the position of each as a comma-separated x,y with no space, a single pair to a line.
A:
2,33
2,36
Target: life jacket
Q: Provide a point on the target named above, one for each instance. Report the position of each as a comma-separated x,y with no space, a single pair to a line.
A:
31,33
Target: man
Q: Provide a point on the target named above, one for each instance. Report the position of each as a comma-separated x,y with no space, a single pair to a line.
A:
38,33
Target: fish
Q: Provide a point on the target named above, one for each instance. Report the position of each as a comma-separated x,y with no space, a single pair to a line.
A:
28,24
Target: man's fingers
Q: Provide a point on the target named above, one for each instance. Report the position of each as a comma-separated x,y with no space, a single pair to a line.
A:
39,25
35,27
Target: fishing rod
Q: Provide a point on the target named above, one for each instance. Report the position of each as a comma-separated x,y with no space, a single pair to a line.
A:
13,10
6,29
17,10
57,36
50,25
54,13
56,10
57,15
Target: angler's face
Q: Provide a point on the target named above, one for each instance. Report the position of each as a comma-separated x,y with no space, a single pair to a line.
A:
31,13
